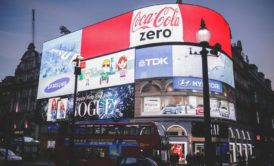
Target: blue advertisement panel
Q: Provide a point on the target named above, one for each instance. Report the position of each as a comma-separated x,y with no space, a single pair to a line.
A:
153,62
56,72
189,83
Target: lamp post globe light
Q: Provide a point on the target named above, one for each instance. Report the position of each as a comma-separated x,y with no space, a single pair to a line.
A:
77,71
203,36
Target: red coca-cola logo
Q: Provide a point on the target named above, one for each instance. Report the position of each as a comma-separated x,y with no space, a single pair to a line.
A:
167,16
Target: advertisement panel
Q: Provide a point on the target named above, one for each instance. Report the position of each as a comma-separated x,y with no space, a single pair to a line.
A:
156,24
154,62
191,106
109,103
111,70
56,71
62,109
152,104
188,63
189,83
52,109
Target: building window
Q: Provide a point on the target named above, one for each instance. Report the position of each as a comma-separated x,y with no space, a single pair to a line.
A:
176,130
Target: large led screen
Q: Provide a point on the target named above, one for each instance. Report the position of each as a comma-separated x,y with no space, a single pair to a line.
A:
109,103
188,63
55,109
110,70
56,72
181,61
191,106
153,25
154,62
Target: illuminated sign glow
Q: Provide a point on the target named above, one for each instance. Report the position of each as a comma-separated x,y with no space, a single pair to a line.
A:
153,62
156,24
196,84
56,85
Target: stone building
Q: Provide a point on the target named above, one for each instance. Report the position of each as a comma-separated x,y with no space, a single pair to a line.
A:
19,95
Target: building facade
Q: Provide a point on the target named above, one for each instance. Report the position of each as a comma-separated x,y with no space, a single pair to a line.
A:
20,92
152,74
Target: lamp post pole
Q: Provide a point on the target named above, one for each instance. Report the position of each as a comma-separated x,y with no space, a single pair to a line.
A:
77,71
203,36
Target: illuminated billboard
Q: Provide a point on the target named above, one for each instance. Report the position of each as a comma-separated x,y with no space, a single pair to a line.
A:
152,25
161,98
109,103
181,61
56,72
189,83
187,106
56,109
156,24
110,70
188,64
154,62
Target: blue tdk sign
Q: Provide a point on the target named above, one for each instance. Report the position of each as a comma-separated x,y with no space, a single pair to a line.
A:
180,83
153,62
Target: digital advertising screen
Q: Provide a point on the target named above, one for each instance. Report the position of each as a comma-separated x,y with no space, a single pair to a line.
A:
156,24
163,23
108,103
154,62
52,109
56,72
188,64
110,70
187,106
183,61
62,108
190,83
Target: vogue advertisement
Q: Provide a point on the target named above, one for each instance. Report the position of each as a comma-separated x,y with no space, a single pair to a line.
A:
109,103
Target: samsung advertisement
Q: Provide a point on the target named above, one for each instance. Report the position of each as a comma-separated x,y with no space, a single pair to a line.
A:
56,72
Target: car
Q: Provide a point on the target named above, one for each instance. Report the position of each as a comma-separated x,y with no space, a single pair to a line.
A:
11,156
224,112
136,161
199,109
172,109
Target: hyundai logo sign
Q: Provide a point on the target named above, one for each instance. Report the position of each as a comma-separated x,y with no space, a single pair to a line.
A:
56,85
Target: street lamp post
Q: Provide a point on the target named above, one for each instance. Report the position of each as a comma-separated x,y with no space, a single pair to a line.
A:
203,36
77,71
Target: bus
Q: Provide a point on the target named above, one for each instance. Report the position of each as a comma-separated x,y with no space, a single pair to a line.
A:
102,143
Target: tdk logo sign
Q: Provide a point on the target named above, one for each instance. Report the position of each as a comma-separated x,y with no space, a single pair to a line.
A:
56,85
153,62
